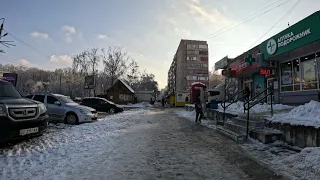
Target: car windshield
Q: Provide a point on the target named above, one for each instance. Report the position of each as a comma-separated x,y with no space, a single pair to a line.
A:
66,99
8,90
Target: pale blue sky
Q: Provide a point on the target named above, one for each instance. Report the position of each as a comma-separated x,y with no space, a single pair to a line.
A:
149,30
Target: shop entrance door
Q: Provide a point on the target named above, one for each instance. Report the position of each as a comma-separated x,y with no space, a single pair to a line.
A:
269,83
248,82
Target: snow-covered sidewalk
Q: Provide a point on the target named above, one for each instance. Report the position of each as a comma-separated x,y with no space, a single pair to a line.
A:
63,148
306,115
191,116
277,156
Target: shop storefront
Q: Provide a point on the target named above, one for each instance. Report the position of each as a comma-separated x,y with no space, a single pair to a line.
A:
248,68
295,53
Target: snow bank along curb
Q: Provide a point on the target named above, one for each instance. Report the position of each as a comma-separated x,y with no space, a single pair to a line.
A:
137,105
237,108
305,164
300,126
305,115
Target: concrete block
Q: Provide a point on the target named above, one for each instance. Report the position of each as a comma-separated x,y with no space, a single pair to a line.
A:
266,135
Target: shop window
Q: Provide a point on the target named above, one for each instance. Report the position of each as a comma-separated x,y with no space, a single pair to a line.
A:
286,76
296,74
309,72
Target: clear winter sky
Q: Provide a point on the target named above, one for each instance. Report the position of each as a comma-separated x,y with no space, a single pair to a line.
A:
149,30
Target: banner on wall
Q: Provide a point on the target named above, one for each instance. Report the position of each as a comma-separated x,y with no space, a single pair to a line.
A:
10,77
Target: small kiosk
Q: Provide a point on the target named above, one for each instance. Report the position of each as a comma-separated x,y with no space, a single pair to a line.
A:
197,89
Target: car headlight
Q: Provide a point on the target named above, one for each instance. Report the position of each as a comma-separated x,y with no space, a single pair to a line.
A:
42,108
2,110
85,111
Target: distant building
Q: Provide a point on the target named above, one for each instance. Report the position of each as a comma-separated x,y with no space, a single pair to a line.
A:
120,92
144,96
189,65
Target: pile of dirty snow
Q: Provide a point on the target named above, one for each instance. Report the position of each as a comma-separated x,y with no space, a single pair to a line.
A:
304,164
137,105
189,105
306,115
238,107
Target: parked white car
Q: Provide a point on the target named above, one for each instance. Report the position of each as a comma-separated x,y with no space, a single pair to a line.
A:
63,109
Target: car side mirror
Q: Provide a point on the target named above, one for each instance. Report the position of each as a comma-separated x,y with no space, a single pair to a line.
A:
57,103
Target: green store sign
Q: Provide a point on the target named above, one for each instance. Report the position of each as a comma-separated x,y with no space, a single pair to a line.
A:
300,34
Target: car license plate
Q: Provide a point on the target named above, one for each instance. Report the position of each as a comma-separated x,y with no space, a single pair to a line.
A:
24,132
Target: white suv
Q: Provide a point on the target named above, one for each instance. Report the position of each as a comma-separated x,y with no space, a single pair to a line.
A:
63,109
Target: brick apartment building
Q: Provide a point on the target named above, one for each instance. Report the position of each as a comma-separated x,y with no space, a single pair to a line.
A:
190,64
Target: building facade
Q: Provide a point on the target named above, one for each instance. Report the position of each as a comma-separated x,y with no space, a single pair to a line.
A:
289,60
189,65
295,53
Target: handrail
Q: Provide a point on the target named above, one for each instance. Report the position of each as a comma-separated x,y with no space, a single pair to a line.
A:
270,88
248,102
224,102
229,98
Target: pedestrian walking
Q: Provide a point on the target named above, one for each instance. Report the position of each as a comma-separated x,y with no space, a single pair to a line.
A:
199,111
163,102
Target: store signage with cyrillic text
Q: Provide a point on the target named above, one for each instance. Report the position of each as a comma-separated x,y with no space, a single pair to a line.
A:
300,34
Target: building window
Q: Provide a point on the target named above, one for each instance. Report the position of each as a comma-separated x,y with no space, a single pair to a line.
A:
193,52
197,65
192,46
202,46
204,58
192,58
299,74
286,76
203,52
309,72
296,75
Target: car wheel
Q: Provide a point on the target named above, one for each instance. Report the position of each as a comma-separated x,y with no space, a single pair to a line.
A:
71,119
112,110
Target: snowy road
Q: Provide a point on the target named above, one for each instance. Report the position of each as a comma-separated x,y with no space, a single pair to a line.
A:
138,144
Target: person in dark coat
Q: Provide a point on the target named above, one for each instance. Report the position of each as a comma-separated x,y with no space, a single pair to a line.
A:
199,112
247,92
163,102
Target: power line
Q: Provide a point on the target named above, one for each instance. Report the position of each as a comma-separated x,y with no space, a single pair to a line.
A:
284,16
251,18
7,59
35,49
247,16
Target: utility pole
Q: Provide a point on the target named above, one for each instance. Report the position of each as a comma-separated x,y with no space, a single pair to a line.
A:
60,83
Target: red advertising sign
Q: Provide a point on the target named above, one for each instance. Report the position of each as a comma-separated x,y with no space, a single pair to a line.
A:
240,65
265,72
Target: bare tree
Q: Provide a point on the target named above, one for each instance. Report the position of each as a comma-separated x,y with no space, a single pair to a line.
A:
94,59
115,62
133,74
215,78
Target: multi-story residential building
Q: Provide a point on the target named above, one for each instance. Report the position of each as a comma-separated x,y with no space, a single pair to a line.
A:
189,65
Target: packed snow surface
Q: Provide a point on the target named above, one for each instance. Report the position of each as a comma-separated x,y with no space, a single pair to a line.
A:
55,154
304,164
137,105
306,115
238,107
